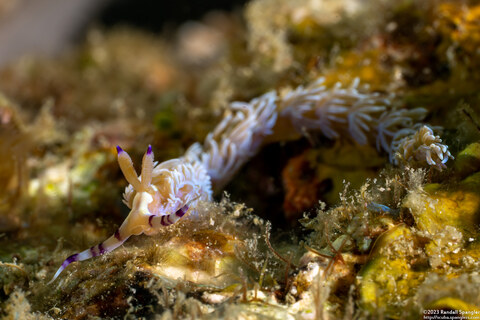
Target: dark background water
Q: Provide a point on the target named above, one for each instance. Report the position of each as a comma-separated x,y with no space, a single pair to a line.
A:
49,27
156,15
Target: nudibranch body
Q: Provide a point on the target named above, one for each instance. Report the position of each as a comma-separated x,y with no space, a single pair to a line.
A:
164,193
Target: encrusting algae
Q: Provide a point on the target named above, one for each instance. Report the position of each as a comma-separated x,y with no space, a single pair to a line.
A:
345,128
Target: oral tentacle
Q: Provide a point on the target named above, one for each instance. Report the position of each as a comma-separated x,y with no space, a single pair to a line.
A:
116,240
135,224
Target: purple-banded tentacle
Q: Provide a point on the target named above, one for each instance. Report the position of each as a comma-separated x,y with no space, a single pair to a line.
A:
106,246
119,238
166,220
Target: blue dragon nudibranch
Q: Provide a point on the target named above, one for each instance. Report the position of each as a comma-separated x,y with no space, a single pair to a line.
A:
164,193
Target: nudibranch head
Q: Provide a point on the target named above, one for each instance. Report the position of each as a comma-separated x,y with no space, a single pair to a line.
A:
159,197
166,189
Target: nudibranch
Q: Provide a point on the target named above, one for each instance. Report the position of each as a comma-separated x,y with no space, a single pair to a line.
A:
159,197
164,193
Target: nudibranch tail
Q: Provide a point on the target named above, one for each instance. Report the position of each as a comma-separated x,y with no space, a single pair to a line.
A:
106,246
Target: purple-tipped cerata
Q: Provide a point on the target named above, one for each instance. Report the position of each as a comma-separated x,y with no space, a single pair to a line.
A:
149,150
119,150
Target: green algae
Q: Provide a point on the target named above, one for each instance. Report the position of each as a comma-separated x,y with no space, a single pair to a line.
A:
453,304
457,206
468,160
389,277
443,242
